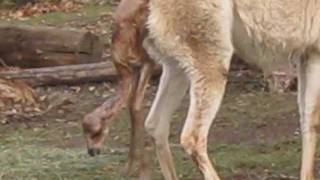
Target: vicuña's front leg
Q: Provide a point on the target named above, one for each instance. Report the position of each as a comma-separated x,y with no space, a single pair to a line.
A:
309,104
172,88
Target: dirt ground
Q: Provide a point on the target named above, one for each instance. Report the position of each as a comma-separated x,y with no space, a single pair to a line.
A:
254,137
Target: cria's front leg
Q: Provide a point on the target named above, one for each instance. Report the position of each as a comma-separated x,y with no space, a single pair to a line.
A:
139,147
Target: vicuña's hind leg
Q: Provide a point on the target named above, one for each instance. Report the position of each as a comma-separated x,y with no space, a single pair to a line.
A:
205,102
309,104
172,88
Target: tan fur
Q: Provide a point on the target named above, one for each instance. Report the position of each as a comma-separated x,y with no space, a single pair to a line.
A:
316,114
201,36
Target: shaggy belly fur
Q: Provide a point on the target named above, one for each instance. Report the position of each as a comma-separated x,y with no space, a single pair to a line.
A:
274,34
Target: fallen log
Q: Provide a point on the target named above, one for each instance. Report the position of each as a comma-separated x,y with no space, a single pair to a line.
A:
71,74
30,47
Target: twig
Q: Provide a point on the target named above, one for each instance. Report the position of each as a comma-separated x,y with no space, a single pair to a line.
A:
2,62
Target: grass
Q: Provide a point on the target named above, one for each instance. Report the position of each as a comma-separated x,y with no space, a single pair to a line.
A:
85,15
246,142
89,15
34,162
40,154
57,150
239,158
27,155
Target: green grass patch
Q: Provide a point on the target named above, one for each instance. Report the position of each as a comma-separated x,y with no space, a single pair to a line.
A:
87,14
28,154
23,156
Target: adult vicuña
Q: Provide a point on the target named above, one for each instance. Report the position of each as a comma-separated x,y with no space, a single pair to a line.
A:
194,41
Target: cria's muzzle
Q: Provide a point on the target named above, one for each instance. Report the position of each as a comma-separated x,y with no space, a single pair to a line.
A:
94,151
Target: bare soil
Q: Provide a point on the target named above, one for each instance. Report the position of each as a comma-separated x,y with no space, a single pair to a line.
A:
254,134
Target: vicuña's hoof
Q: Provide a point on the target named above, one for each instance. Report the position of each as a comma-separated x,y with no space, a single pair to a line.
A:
307,177
127,170
145,175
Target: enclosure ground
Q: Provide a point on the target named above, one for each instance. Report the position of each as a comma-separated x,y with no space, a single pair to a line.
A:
255,136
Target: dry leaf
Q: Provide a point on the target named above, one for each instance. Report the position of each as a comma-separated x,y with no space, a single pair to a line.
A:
17,91
41,8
